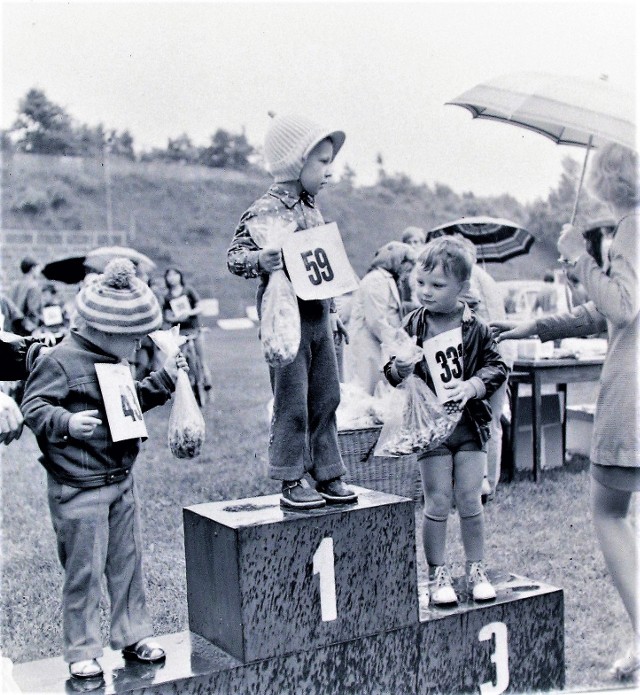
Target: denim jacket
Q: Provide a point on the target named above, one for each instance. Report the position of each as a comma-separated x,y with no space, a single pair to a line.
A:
63,382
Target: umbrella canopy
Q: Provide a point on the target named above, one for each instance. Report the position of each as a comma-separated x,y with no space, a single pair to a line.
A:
98,258
496,239
70,270
569,110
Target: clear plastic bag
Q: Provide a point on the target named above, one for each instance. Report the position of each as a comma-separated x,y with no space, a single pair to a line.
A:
186,430
279,313
416,421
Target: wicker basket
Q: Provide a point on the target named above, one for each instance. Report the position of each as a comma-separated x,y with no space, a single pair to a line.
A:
393,475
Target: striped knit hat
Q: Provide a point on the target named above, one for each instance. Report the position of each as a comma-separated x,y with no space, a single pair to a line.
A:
118,302
289,141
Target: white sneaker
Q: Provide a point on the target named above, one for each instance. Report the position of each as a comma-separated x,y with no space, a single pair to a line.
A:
440,587
478,583
627,666
486,487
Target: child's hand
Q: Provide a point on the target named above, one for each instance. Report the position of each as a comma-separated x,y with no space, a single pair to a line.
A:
270,259
338,329
461,392
173,364
404,367
83,424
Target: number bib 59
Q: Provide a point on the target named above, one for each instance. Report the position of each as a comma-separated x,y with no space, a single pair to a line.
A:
444,359
318,264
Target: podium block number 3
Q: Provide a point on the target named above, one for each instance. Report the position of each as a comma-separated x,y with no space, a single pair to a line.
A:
323,565
500,657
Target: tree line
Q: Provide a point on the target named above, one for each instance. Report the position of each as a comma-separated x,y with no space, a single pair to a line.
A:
44,127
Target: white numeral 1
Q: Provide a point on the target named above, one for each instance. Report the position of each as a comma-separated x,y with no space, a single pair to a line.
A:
323,565
500,657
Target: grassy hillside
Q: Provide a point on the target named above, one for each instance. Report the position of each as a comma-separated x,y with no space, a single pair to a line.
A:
185,215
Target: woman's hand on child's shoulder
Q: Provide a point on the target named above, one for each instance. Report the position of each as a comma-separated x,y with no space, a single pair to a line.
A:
82,425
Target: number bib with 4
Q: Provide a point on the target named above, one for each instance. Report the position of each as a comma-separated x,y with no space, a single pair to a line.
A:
120,401
318,264
443,353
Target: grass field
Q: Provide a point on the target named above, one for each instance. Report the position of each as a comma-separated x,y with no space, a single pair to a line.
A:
542,530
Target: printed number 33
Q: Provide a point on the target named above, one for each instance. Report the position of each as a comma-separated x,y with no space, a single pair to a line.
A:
445,358
319,266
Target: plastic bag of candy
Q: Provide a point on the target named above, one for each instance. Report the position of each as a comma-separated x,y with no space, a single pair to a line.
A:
416,421
186,430
279,313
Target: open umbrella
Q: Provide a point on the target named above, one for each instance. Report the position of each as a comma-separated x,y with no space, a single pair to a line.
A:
98,258
569,110
496,239
70,270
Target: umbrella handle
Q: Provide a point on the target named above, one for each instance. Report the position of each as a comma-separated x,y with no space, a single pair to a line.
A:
584,168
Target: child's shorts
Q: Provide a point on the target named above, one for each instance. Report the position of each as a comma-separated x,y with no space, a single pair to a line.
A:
463,438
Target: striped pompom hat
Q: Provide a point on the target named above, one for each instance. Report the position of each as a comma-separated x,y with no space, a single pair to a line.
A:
288,142
118,302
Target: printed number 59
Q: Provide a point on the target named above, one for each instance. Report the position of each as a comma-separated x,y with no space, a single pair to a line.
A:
319,265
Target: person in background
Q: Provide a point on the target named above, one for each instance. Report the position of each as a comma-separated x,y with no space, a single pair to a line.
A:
456,467
377,312
615,305
54,316
303,438
187,317
546,301
91,487
11,318
27,295
415,237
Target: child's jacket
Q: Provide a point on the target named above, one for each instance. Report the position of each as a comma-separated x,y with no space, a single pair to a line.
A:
64,382
480,358
279,201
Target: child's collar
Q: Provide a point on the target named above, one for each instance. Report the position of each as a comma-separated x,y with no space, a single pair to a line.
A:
289,196
467,313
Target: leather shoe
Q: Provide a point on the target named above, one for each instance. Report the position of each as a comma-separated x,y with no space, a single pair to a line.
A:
336,492
87,668
145,651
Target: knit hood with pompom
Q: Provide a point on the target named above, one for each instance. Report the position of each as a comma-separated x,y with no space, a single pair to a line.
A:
118,302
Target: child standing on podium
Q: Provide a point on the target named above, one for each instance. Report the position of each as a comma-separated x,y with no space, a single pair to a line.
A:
456,467
304,436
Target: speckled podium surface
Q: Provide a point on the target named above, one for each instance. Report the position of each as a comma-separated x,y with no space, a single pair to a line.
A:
345,617
264,582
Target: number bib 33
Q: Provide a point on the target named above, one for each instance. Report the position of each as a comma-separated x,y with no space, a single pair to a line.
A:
443,353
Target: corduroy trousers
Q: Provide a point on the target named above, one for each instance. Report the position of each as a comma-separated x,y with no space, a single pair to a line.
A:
98,534
304,434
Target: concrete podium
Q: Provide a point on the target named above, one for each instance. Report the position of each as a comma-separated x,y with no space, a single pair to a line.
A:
287,612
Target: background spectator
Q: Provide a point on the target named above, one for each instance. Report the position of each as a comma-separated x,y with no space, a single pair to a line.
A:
376,313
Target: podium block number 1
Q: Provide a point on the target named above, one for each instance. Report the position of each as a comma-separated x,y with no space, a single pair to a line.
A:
500,657
323,565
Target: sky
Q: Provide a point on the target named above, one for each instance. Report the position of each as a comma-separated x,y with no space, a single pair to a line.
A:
381,72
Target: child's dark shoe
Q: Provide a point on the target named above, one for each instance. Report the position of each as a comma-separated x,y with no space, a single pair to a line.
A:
336,492
296,496
87,668
145,651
